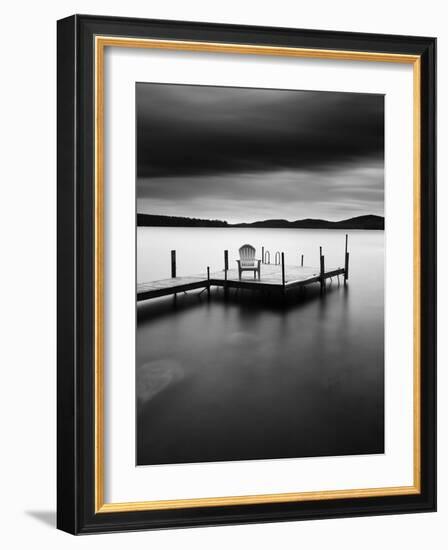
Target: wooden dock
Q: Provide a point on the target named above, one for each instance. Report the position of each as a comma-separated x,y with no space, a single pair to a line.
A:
270,279
275,278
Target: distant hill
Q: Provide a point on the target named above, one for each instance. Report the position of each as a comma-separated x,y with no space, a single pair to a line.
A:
359,222
151,220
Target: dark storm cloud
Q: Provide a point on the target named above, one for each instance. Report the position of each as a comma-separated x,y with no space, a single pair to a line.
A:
199,130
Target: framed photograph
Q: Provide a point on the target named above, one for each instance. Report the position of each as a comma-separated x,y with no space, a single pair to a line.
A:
246,274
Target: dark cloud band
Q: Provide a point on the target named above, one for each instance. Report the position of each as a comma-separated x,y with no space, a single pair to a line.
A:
193,130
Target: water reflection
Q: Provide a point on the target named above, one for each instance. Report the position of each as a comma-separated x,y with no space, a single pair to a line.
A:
249,376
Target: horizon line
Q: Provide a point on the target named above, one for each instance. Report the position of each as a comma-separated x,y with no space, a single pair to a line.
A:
261,220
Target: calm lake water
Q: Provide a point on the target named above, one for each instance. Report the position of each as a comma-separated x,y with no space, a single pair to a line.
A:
251,377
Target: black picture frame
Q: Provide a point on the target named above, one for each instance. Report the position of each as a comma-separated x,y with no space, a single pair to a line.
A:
76,511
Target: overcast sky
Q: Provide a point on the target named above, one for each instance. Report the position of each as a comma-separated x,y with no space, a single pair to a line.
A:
240,154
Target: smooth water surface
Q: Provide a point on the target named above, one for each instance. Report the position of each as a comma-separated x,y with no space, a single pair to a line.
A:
252,376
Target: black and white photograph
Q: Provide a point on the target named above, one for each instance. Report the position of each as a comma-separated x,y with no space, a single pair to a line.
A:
260,273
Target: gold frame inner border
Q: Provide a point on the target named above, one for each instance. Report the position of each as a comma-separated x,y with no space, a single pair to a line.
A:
101,42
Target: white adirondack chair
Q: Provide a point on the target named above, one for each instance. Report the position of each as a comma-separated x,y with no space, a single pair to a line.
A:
247,261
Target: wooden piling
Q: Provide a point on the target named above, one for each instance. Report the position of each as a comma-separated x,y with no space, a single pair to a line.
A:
301,261
173,270
283,271
262,254
208,281
322,270
347,257
226,268
173,264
